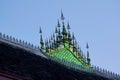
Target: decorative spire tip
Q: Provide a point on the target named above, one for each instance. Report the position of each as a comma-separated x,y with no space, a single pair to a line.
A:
87,46
40,30
58,24
68,26
62,16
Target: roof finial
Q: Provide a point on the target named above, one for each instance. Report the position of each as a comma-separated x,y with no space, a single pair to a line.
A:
40,30
88,55
68,26
56,30
41,39
73,37
62,16
87,46
58,24
69,36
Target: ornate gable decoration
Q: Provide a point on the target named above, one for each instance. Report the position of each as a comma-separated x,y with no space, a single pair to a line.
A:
63,45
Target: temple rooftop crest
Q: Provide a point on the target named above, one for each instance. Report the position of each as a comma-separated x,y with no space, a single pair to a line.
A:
63,45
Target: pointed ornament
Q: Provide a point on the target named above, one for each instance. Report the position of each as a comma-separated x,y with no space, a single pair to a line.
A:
40,30
68,26
62,16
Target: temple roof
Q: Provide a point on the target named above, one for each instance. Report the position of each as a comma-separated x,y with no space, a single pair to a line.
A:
63,46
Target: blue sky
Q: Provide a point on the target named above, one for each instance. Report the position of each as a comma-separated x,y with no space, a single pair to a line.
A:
94,21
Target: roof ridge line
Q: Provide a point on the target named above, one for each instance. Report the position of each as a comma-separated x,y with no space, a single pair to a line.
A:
21,44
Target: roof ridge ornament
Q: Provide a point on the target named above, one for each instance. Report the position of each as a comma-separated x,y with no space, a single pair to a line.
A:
62,16
88,55
40,30
63,41
58,23
41,39
87,46
68,26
